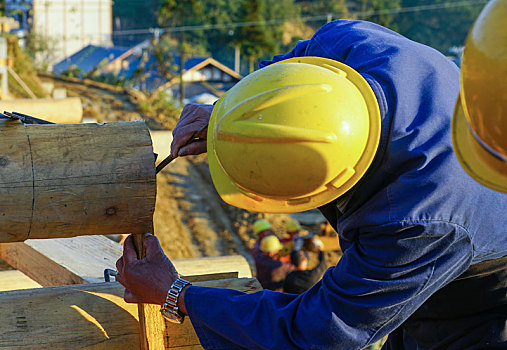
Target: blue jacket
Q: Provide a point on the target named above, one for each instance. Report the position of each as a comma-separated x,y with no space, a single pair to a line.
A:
414,223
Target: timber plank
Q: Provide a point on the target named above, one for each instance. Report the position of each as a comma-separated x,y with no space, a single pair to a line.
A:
76,260
14,279
90,316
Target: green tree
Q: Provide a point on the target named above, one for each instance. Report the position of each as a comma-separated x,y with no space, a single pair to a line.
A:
335,8
180,13
439,28
263,30
254,39
278,12
220,13
382,12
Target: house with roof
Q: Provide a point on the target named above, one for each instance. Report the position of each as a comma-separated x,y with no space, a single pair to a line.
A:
91,58
205,78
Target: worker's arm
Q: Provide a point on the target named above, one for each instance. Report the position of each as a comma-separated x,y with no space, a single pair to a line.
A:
379,282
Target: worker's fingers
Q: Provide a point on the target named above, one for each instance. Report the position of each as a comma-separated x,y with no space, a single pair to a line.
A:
131,298
193,118
152,246
119,278
129,252
194,148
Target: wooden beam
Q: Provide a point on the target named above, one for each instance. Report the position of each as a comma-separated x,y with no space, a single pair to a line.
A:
63,261
215,264
91,316
65,180
76,260
14,279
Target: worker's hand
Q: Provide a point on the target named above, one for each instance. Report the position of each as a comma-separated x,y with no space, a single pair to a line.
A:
317,244
146,280
193,117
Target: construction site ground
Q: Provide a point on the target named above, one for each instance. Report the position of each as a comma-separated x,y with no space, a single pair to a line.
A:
190,218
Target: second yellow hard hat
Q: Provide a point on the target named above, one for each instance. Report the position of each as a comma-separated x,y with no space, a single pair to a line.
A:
479,129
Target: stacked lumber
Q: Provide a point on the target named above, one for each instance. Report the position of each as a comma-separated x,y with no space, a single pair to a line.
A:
93,314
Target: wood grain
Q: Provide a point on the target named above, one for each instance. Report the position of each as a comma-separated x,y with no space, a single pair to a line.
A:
67,180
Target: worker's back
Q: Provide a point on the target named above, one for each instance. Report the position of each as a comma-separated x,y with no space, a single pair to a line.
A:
416,220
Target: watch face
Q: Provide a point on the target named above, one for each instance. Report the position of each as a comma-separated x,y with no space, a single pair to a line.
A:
172,317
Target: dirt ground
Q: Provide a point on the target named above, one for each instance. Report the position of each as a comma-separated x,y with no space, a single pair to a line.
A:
190,219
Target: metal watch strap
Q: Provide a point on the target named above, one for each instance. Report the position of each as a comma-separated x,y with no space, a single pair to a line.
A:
171,301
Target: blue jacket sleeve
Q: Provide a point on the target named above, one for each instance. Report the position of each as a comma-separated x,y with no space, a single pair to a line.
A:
379,282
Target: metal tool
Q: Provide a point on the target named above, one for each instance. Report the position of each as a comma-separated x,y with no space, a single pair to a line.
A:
25,119
170,158
108,273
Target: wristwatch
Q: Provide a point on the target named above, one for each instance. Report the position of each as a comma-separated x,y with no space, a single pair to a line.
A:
170,309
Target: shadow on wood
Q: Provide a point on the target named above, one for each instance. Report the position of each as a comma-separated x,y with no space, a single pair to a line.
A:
90,316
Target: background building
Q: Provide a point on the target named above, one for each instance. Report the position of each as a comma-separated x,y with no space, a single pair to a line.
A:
66,25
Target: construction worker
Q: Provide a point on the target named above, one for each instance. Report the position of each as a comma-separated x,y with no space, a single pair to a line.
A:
357,122
271,272
261,229
292,228
302,278
479,129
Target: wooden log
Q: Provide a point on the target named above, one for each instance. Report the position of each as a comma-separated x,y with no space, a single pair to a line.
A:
91,316
215,264
75,260
67,180
64,110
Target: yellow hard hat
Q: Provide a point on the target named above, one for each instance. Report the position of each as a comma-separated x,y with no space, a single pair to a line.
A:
293,136
270,244
292,226
261,225
479,128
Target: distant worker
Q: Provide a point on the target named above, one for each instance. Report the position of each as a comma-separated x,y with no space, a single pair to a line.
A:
302,279
356,122
271,272
292,229
479,129
261,228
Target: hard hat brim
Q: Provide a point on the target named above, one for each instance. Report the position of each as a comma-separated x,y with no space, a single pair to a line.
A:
482,166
